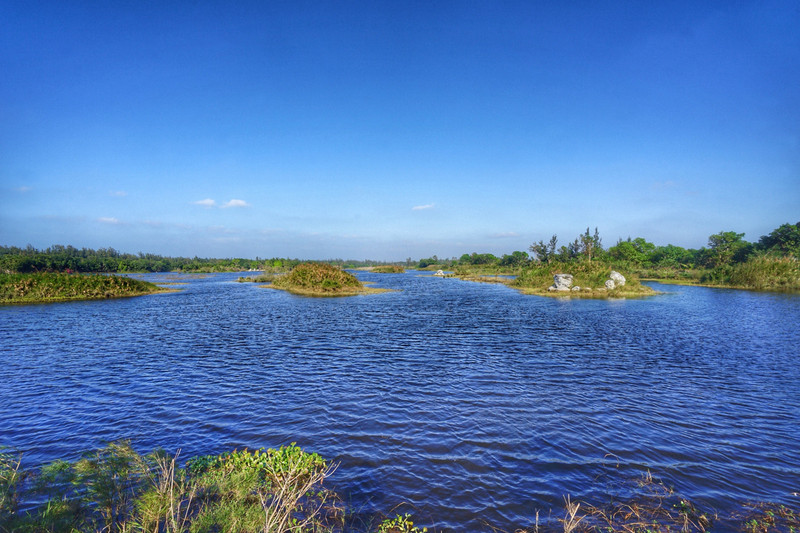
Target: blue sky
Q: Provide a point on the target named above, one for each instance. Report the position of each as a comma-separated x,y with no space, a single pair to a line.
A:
388,130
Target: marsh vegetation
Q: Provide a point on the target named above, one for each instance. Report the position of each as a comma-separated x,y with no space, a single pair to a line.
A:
772,263
55,287
388,269
321,279
115,489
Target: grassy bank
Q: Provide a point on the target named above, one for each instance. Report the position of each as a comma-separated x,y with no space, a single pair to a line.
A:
590,277
761,273
59,287
115,489
321,279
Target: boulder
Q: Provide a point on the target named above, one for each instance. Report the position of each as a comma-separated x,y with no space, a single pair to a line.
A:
561,282
617,278
610,285
439,273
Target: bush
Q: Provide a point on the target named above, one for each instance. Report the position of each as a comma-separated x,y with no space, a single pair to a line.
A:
311,278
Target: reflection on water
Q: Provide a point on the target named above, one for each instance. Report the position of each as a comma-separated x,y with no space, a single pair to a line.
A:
470,401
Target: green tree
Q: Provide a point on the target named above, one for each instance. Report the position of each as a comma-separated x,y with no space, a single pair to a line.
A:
589,245
515,259
783,240
637,251
727,247
545,253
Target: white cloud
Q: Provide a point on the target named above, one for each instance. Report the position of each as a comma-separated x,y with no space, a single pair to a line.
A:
109,220
208,202
421,207
236,203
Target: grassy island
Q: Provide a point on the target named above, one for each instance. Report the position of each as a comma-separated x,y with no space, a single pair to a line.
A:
321,279
389,269
59,287
588,282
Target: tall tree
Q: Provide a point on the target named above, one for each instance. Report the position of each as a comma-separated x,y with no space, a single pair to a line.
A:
725,247
785,240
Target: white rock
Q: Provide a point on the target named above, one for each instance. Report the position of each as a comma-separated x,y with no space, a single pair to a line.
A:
561,282
610,284
617,278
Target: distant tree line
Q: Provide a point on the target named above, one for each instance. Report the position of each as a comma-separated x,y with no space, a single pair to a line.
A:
724,249
60,258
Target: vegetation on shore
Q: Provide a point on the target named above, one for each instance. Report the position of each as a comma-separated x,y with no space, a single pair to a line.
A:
59,258
57,287
321,279
589,277
115,489
771,263
388,269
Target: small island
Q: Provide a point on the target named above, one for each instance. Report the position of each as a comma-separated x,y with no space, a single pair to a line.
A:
321,279
388,269
587,283
44,287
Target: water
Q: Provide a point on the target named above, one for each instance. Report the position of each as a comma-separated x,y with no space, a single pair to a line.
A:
470,402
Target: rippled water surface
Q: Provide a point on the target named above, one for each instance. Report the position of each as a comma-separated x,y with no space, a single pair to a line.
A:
471,402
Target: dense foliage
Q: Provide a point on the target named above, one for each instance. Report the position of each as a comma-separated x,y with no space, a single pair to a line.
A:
318,278
58,258
115,490
772,263
46,287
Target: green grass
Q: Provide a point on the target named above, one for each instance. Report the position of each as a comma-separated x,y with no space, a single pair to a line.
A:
586,275
389,269
320,279
115,489
767,273
55,287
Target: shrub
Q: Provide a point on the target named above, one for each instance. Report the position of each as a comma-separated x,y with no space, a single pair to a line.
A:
318,278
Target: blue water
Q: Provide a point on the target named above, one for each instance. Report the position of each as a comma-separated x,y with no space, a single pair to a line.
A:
470,403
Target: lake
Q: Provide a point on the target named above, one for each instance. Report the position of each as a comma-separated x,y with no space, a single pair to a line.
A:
469,402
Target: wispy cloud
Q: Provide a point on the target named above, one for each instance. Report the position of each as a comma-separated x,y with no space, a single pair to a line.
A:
421,207
118,193
504,235
235,203
208,202
23,189
109,220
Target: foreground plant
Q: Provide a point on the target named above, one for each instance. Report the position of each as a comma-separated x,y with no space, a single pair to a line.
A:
273,490
10,478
